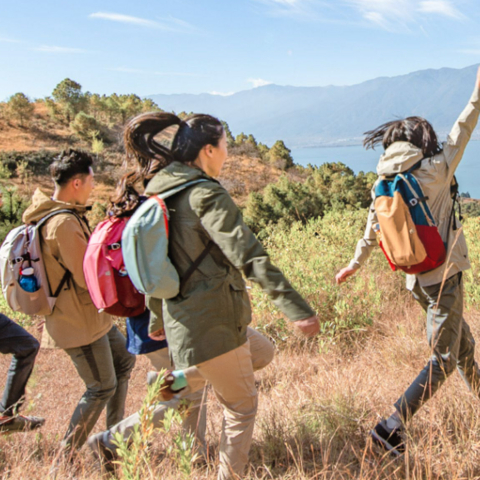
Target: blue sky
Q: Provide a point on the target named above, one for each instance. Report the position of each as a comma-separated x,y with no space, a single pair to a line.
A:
224,46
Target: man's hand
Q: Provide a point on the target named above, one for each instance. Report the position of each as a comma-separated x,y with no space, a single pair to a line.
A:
344,273
308,326
159,335
478,77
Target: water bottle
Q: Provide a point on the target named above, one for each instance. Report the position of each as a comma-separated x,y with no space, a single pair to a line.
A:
27,280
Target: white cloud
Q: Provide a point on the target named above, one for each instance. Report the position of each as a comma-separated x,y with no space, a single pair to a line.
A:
394,15
222,94
442,7
169,24
258,82
118,17
9,40
57,49
301,9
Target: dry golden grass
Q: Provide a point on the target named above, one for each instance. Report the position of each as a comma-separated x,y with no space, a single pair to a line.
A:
314,416
316,405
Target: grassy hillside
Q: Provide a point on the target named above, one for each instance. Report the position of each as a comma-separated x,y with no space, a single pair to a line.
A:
319,398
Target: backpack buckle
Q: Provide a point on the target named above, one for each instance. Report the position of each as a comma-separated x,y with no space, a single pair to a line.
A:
114,246
413,202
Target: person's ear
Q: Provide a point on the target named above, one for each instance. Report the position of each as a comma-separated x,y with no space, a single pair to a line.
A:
209,150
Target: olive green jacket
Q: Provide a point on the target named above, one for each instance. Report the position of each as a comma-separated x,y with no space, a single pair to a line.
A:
210,315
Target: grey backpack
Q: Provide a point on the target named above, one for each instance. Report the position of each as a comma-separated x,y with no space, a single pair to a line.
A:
145,248
21,248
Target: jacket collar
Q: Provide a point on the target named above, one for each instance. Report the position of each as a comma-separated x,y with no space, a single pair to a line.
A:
42,205
398,157
174,175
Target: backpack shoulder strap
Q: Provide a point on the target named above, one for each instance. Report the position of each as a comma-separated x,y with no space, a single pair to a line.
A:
47,217
39,225
209,246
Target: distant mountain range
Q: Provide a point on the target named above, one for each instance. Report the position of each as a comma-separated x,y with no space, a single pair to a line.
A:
316,116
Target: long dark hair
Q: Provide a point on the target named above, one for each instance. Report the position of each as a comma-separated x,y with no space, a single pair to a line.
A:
149,155
415,130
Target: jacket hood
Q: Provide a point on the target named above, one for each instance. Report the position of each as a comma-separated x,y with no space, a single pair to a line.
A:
42,205
173,176
398,157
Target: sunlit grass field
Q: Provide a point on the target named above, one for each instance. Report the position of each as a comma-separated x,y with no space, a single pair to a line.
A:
317,400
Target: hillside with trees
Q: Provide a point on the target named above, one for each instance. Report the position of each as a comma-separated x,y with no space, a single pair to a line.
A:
321,396
263,180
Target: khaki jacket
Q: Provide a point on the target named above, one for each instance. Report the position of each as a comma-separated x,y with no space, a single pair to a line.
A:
75,321
435,175
210,315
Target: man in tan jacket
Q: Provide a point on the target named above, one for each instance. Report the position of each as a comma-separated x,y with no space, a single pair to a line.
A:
96,347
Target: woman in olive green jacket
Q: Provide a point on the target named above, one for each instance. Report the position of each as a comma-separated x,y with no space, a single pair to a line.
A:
206,324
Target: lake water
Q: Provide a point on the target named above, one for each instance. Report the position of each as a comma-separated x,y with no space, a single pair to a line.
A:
358,159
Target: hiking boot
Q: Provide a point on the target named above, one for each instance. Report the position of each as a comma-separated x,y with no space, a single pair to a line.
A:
103,450
20,423
390,440
166,392
152,377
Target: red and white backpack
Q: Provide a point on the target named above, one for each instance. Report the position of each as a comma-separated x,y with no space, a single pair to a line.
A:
107,280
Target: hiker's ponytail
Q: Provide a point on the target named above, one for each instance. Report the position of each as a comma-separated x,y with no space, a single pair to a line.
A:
141,146
150,156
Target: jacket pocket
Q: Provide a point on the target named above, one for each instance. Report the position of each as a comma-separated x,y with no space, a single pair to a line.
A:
241,308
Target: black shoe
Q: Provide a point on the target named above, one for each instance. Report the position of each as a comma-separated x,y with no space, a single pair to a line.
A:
390,440
20,423
103,451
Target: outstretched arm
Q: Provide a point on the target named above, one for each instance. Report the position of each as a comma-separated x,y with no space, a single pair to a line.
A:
461,132
363,250
223,222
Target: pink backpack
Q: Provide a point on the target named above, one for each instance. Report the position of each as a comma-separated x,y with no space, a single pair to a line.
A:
108,283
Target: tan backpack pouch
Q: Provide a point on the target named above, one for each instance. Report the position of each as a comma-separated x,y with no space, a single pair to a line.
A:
399,236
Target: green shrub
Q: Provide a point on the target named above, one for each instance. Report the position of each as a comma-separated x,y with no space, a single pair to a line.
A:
37,162
19,108
12,210
332,186
85,126
309,256
279,156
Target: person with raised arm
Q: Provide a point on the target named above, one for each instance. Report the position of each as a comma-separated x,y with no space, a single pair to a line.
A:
411,146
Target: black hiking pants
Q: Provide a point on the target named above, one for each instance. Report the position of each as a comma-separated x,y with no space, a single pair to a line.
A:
24,347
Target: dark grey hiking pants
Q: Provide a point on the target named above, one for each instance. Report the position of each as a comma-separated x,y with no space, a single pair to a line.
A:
18,342
105,366
451,342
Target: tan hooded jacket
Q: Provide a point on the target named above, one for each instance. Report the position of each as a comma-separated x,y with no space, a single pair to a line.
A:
74,321
435,175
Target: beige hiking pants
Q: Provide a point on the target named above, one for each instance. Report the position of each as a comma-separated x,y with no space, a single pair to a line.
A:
196,419
232,380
